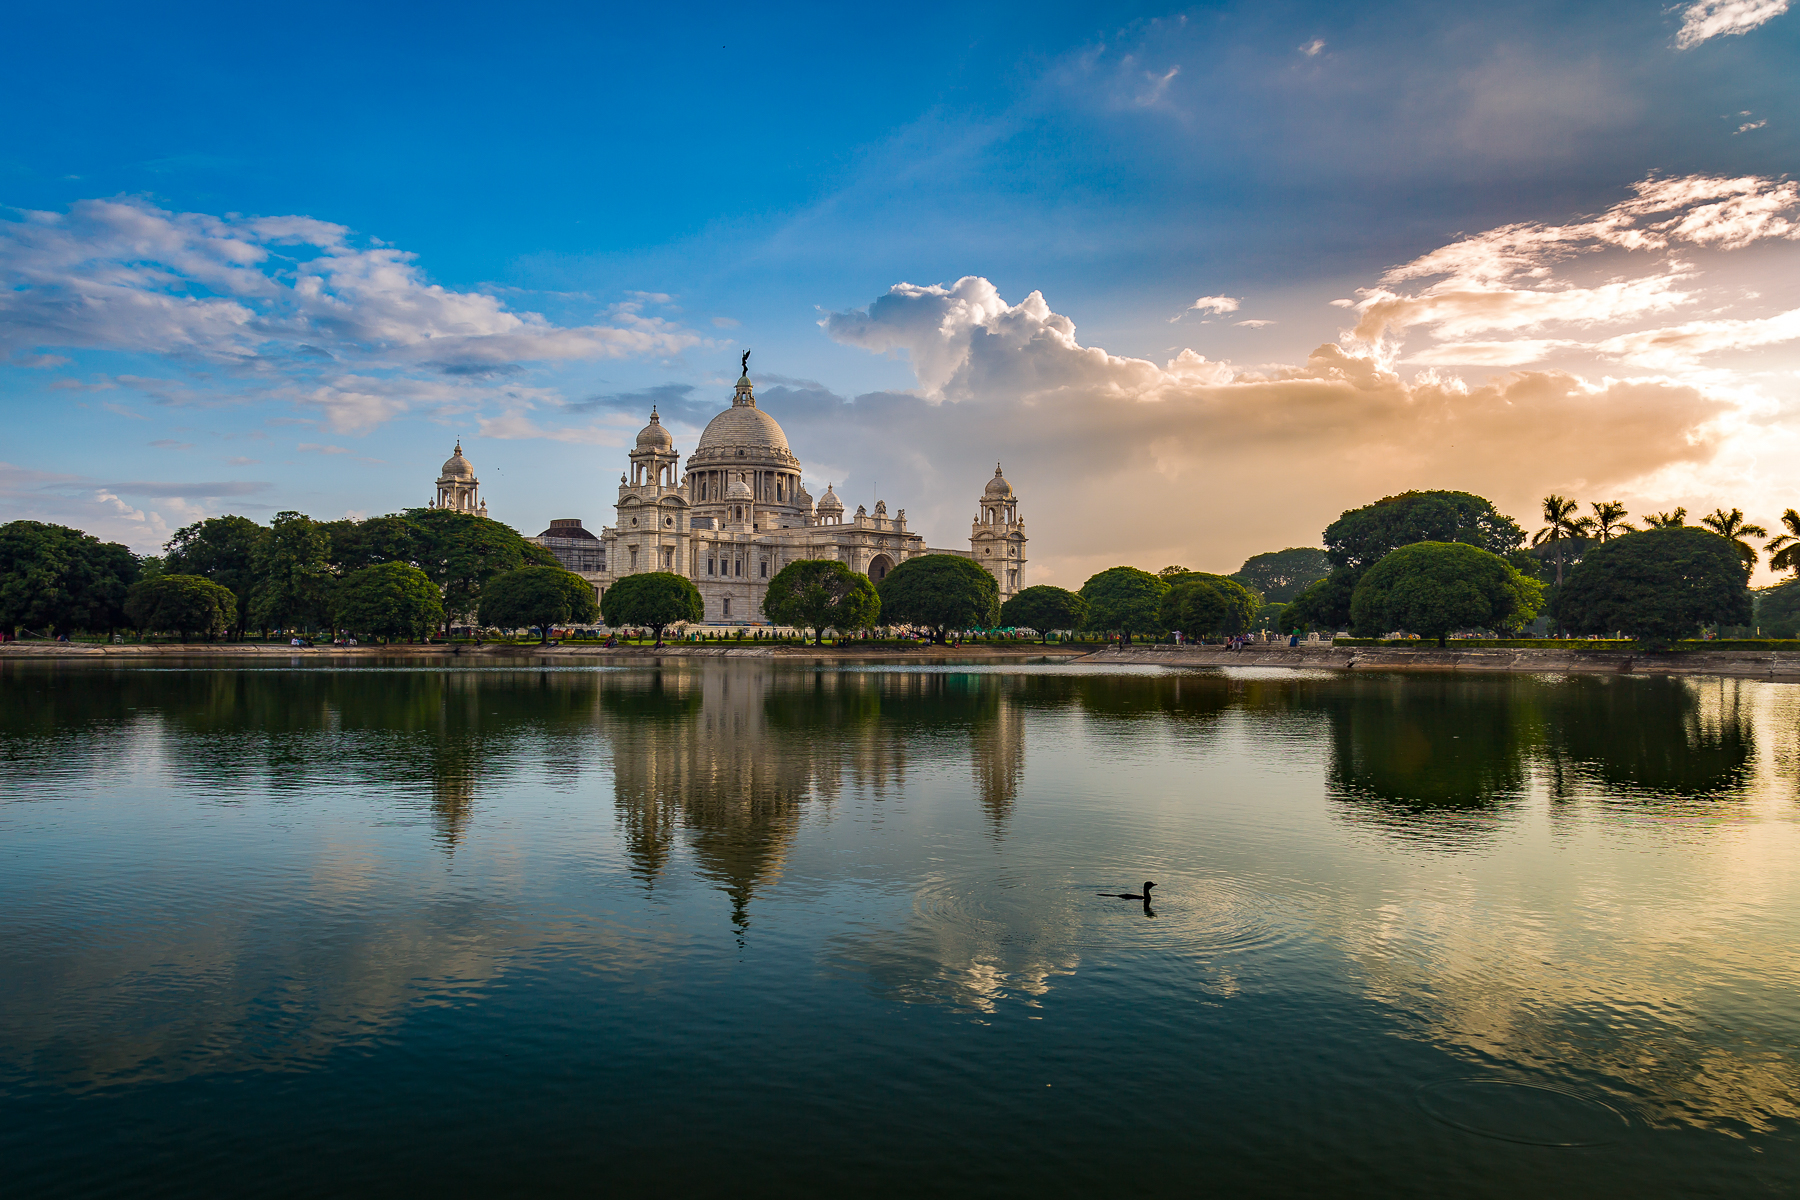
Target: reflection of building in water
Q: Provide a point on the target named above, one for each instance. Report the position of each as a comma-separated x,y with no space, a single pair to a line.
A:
723,760
452,804
997,755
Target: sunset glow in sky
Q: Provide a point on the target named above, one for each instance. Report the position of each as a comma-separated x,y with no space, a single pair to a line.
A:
1201,278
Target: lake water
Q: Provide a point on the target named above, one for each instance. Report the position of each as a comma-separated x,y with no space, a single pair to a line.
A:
747,928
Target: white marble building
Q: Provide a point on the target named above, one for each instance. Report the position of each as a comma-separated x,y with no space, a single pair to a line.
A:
739,512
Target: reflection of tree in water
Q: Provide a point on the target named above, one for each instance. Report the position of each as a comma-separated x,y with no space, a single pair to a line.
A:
1643,737
1432,758
236,733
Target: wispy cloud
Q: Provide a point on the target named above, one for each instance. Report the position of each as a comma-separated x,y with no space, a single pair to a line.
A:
1218,305
1706,19
1313,48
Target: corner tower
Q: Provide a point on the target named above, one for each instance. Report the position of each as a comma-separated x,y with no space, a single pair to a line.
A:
997,540
457,487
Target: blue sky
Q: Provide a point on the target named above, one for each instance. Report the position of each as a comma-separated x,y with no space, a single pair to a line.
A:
283,258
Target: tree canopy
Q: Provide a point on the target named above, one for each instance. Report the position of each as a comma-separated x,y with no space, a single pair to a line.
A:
1778,610
388,601
1125,600
460,552
222,549
1200,604
61,579
1432,588
940,592
1044,608
654,599
1658,586
541,596
293,577
820,594
1361,537
1280,575
181,604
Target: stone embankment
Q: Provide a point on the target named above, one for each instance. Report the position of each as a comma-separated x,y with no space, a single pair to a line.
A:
1743,664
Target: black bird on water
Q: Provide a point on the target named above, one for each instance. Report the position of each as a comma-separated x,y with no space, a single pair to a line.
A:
1143,895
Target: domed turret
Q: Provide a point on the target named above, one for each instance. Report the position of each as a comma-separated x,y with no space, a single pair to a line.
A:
998,488
829,502
654,437
456,466
739,491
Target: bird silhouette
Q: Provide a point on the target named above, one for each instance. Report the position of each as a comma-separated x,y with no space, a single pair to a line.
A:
1143,895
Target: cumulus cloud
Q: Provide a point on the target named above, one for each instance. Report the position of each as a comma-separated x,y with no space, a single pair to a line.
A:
1166,453
1706,19
277,298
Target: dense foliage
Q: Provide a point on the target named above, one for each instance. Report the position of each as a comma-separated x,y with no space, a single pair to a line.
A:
1658,586
1362,537
1433,588
387,601
540,596
292,574
1203,605
1280,575
654,599
1044,608
460,552
1778,610
181,604
1126,601
940,592
54,579
820,594
222,549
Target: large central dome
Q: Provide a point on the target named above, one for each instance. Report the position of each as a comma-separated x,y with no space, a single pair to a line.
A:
744,427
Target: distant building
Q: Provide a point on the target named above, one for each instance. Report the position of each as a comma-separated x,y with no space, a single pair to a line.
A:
575,548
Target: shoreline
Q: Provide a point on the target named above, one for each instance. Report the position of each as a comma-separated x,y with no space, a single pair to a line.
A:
1737,664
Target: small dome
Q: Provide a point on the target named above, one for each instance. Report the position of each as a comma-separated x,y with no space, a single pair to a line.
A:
998,488
739,490
653,436
829,502
456,466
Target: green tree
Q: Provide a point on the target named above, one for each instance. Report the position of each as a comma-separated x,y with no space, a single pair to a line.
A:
222,549
293,578
59,579
1044,608
358,544
460,552
1733,528
1125,600
656,599
1609,520
940,592
1658,586
1667,520
1170,572
1784,549
1432,588
1201,604
820,594
181,604
1561,525
1364,536
1778,610
1280,575
387,601
541,596
1325,604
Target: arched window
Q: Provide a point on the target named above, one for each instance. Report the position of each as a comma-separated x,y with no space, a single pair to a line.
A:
728,606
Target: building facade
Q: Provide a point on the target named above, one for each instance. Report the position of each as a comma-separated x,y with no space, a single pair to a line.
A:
737,512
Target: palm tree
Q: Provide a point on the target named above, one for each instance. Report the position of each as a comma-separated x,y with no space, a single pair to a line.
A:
1667,520
1784,551
1732,527
1561,524
1609,520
